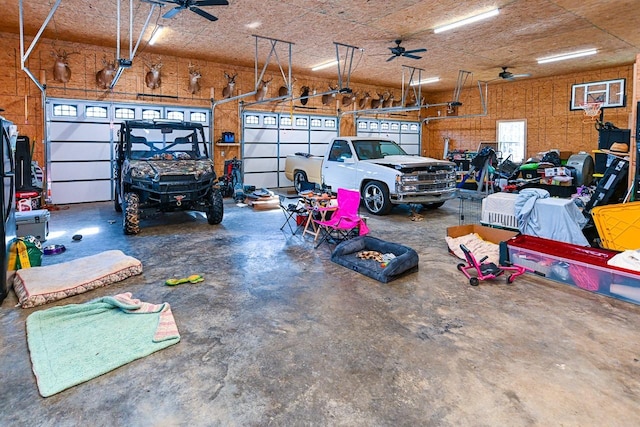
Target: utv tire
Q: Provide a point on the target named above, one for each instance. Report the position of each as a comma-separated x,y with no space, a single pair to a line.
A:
376,198
298,178
131,213
116,200
215,211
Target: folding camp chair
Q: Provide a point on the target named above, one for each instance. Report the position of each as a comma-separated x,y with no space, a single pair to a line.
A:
291,211
345,222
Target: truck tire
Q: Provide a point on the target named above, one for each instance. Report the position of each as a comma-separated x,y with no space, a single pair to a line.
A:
298,178
376,198
433,205
131,213
215,211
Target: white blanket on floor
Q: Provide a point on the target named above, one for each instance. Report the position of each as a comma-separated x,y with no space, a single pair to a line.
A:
478,247
40,285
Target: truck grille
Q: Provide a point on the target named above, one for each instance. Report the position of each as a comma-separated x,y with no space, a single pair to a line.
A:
435,180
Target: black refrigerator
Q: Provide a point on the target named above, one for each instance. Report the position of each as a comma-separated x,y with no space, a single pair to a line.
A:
7,204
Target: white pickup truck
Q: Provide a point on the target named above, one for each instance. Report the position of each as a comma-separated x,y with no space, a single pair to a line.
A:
380,169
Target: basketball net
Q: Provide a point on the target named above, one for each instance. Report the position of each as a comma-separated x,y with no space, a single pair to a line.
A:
591,111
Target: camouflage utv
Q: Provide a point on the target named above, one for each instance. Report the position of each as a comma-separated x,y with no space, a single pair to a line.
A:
164,165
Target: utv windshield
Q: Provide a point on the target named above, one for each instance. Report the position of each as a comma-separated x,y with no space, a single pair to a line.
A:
167,143
377,149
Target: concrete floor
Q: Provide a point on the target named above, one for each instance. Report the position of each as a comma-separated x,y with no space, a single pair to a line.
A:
277,334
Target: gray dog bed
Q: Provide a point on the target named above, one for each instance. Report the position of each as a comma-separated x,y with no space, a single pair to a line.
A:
406,260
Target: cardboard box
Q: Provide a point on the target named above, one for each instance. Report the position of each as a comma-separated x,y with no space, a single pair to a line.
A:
579,266
490,234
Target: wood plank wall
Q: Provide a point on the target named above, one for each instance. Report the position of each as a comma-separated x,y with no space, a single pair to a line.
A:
543,103
22,100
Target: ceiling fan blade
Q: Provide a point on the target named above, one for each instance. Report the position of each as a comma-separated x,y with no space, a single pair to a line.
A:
416,50
173,12
517,76
203,13
408,55
391,58
211,3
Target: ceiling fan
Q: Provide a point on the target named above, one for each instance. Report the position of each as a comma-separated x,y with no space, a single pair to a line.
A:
194,6
398,50
508,75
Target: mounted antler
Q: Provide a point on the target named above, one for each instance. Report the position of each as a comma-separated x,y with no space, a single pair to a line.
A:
227,92
377,103
153,78
388,101
304,93
194,79
263,88
349,99
284,90
363,101
105,76
326,98
61,70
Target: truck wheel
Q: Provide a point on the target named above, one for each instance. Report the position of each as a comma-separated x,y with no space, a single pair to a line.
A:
376,198
215,211
131,213
298,178
116,200
433,205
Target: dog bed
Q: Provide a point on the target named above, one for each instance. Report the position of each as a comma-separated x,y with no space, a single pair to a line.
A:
404,262
40,285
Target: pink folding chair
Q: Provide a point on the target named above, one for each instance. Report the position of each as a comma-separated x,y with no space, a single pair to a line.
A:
345,222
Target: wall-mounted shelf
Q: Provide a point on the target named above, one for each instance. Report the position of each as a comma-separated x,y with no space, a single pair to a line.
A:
227,144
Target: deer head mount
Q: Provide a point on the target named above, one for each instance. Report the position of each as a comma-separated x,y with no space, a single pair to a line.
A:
412,100
194,79
388,101
362,104
263,88
284,90
227,91
304,93
105,76
327,98
153,79
61,70
349,99
377,103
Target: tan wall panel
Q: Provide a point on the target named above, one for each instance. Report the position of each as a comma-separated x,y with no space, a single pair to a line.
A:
544,103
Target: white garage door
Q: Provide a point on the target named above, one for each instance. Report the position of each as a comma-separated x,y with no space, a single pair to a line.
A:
269,137
406,134
80,138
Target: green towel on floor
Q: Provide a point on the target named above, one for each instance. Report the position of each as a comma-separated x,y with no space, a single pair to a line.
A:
74,343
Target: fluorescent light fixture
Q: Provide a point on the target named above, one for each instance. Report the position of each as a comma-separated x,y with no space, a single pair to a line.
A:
156,34
576,54
425,81
253,25
466,21
324,65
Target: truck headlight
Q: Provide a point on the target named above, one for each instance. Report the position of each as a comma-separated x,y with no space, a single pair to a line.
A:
410,178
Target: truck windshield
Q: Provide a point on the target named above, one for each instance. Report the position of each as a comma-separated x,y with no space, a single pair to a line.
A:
377,149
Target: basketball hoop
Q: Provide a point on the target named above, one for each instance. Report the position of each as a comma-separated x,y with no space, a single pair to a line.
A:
591,111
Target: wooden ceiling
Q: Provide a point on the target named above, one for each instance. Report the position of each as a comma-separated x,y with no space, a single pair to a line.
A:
523,31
